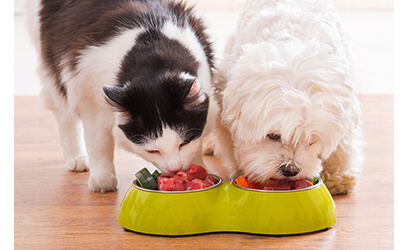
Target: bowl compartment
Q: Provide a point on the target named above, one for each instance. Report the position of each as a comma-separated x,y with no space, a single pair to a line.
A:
169,212
281,212
227,207
277,191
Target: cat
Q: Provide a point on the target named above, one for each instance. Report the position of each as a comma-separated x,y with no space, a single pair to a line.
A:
136,74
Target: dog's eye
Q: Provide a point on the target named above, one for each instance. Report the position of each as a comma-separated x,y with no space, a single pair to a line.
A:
153,151
274,137
310,144
184,143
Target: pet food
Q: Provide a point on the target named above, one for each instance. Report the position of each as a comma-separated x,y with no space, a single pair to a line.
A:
146,180
278,184
196,177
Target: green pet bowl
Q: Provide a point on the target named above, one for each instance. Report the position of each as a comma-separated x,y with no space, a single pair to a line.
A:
226,207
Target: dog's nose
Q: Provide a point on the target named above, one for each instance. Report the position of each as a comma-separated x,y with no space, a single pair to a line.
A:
289,170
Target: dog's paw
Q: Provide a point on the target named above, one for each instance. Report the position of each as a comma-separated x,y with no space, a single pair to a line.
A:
103,182
79,163
338,189
341,183
208,145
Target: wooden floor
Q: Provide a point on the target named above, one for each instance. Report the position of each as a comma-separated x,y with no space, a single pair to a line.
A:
55,210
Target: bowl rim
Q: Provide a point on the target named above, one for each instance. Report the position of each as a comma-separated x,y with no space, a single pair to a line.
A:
219,183
317,185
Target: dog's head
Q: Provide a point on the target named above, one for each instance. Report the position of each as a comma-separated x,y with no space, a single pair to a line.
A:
287,108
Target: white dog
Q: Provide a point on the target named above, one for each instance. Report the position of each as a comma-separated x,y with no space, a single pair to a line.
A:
285,88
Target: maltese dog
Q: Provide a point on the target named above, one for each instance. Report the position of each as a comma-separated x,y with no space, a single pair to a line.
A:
285,89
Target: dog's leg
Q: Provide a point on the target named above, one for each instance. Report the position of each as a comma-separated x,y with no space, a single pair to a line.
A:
208,134
224,148
98,124
70,129
198,158
341,171
222,139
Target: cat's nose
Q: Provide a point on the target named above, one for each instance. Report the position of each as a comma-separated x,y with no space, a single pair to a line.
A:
173,168
289,170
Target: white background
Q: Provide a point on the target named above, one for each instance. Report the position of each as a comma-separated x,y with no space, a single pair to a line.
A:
369,24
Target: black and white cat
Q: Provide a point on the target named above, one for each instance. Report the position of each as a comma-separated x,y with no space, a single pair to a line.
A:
148,61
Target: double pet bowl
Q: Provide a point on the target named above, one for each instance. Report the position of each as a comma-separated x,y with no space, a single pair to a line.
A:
227,207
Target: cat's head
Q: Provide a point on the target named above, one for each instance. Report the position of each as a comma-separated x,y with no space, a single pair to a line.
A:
161,118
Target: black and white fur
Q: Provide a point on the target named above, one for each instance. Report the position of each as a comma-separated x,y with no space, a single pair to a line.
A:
148,61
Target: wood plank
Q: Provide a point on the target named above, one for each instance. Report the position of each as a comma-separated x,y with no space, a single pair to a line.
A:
55,210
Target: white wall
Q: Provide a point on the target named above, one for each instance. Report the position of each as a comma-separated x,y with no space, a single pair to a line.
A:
370,31
19,6
236,4
341,4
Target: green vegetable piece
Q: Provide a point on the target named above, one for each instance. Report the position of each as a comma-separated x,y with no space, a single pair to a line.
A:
145,172
146,176
142,181
315,180
152,182
156,174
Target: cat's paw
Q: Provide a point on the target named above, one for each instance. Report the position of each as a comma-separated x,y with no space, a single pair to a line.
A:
79,163
103,182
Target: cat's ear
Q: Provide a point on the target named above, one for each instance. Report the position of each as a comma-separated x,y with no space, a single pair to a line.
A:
194,89
115,96
194,95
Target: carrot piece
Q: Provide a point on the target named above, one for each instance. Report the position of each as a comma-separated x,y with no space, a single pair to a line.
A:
241,181
255,185
252,185
245,184
238,181
166,176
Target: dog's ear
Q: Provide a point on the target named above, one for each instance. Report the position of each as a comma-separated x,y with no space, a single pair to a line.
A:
115,96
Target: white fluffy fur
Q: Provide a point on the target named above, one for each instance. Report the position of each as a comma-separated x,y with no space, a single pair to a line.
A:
286,70
93,148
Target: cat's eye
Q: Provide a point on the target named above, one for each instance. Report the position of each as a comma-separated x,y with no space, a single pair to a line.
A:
274,137
184,143
153,151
